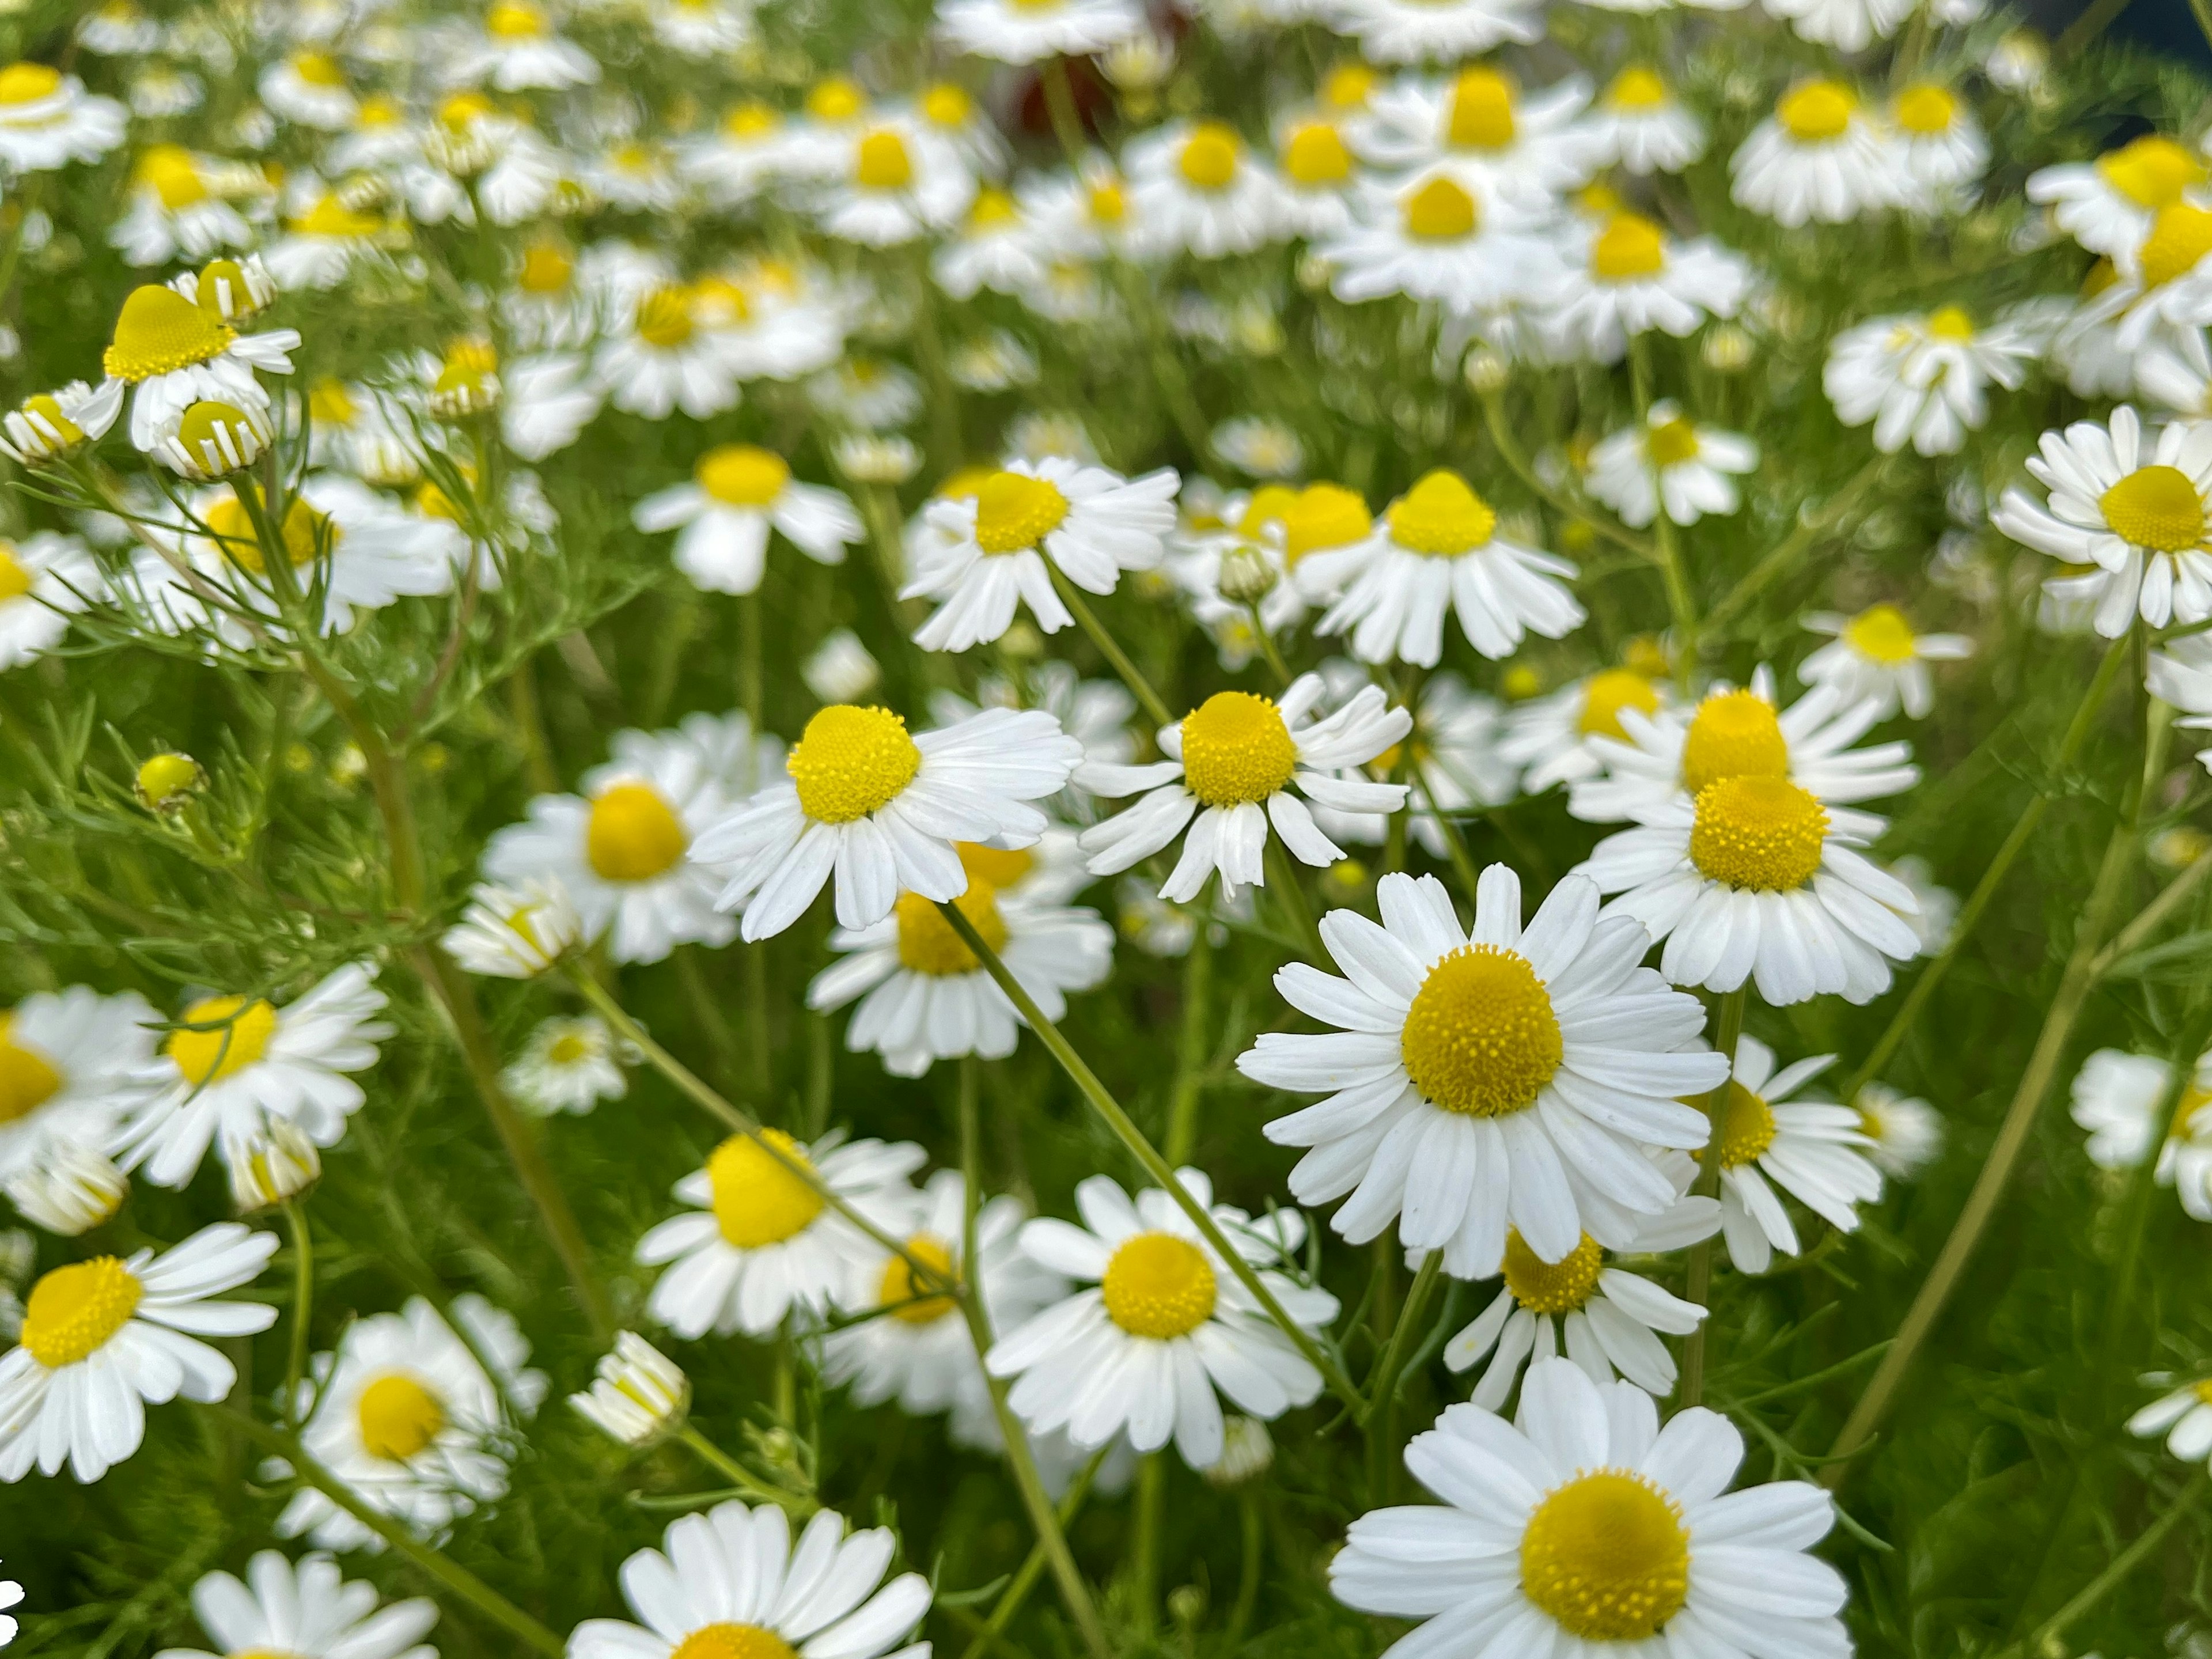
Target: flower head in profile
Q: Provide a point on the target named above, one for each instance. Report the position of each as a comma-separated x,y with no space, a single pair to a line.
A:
1820,157
638,1394
514,933
306,1610
169,352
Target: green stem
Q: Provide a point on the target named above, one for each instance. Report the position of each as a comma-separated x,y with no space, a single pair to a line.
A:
1145,1551
1033,1565
1059,107
1508,448
1139,687
800,1504
1190,1057
1290,894
1268,649
1679,601
1382,1424
1727,1037
2046,1638
1786,552
303,1301
1250,1537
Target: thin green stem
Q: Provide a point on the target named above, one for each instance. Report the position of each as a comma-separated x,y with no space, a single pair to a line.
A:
1381,1424
1268,649
1290,894
1251,1535
1155,709
1679,601
800,1504
303,1302
1145,1549
1190,1055
1060,107
1787,551
1033,1565
2047,1635
1728,1035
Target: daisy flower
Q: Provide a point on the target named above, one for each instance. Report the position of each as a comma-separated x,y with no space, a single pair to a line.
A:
1478,129
1095,713
1548,735
660,356
1196,188
1670,464
624,851
515,171
759,1241
897,181
1231,762
2109,205
49,425
44,580
405,1415
1819,158
518,51
1438,545
1846,25
1610,1319
1813,1150
2135,510
1638,123
1937,144
1629,278
176,207
1876,656
731,1583
2116,1098
1436,239
47,119
169,353
1583,1527
924,996
307,87
102,1338
2164,288
738,493
234,1064
1505,1078
919,1352
324,241
638,1394
73,1065
1925,379
882,809
1258,447
996,548
1315,176
307,1611
1024,31
1160,1324
2184,1416
1412,31
700,29
1451,757
996,248
566,1066
748,151
1904,1133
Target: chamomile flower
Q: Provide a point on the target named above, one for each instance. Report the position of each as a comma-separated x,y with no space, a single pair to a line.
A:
1437,546
73,1065
1638,123
1923,379
635,176
899,180
1628,277
1877,654
638,1394
1479,129
1937,144
2184,1416
169,353
1904,1133
1450,758
2116,1098
2164,288
997,548
1671,464
746,154
514,933
1846,25
2111,205
405,1415
1196,188
624,851
1813,1150
2136,510
566,1066
1161,1324
518,51
1610,1319
1583,1527
662,355
1317,172
919,1352
760,1241
44,580
702,29
1024,31
1548,735
324,241
737,495
1259,447
176,206
233,1063
1230,763
1508,1078
478,149
731,1583
996,248
1436,240
307,87
1418,31
1819,158
102,1338
47,119
49,425
305,1610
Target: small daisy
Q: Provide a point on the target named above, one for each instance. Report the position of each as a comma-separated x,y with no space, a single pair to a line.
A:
996,248
739,493
868,393
1231,762
406,1416
2184,1416
73,1065
624,852
44,580
1508,1078
514,933
2136,511
1846,25
1195,187
746,153
323,242
50,425
1638,123
731,1584
1259,447
1813,1150
760,1242
1436,546
1877,654
2110,205
635,176
1584,1528
485,152
101,1338
517,50
1478,129
1081,215
1317,172
898,180
234,1064
1414,31
308,87
177,207
1670,464
1161,1324
1937,144
1627,277
307,1612
1436,239
702,29
1610,1319
661,355
1923,378
1818,158
2164,288
169,353
1903,1134
70,1190
567,1066
1451,759
2116,1096
47,119
997,549
1549,735
919,1352
1024,31
638,1394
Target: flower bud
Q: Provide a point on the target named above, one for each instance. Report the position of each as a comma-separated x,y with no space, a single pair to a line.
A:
1248,1450
467,382
1486,371
1726,348
1246,575
71,1192
1520,682
840,670
19,1255
510,933
270,1168
234,289
55,424
166,781
1186,1605
638,1395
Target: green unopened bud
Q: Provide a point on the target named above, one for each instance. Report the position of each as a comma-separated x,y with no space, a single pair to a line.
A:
1727,349
1486,371
1246,575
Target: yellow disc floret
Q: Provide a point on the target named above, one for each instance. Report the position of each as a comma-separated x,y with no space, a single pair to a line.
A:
1758,834
1672,442
28,83
733,1642
743,474
1159,1285
1951,323
1926,109
74,1311
927,942
1817,112
835,100
1439,212
1014,512
2151,171
1629,246
1324,516
882,162
306,533
399,1416
1210,156
633,834
1001,867
665,318
851,761
170,172
2157,507
1481,111
512,19
1316,154
1481,1038
1551,1287
1609,692
14,580
2180,236
1733,733
1441,517
1606,1555
1747,1127
160,332
1880,633
238,1035
1637,87
757,1199
28,1079
1237,748
898,1291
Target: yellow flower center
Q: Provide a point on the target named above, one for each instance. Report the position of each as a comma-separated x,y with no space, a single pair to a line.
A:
1439,212
1014,512
29,83
1324,516
752,119
1747,1127
1481,1038
1237,748
883,162
546,269
898,1291
1441,517
1608,1557
663,318
1481,111
1000,868
994,208
743,474
947,106
238,1037
1817,112
1609,691
159,330
1629,245
170,172
318,69
1347,86
757,1201
74,1311
15,580
468,365
2157,507
1106,203
200,428
1881,634
398,1417
329,403
2179,237
1637,87
927,942
1209,156
1551,1287
511,20
634,833
462,110
1926,109
850,760
1672,442
733,1642
568,1048
46,408
835,99
1270,504
306,533
1159,1285
1950,322
28,1079
2151,171
1315,155
331,217
1758,833
1733,732
378,111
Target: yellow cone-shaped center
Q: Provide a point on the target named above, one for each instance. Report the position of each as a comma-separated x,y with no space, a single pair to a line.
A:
1758,833
757,1200
159,331
1609,692
170,172
1926,110
947,106
2157,507
927,942
1629,246
1237,748
1014,511
898,1291
2151,171
15,580
546,269
1315,155
1481,1038
1638,88
634,833
850,760
1324,516
1439,212
306,533
728,1641
1481,111
2180,236
1672,442
512,19
882,162
1881,634
1606,1555
1817,112
835,99
1209,157
29,83
1159,1285
75,1311
399,1416
229,1046
1441,517
665,318
743,474
29,1079
1747,1126
1732,733
1551,1287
